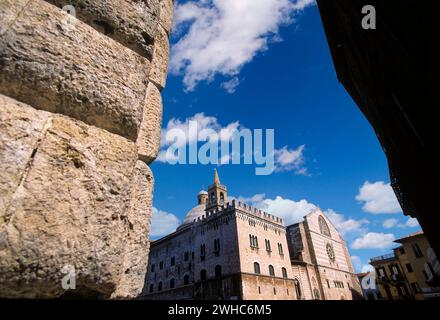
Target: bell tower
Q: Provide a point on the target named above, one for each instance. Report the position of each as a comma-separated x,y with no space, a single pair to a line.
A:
217,193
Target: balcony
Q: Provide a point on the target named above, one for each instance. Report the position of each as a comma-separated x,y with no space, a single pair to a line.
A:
384,257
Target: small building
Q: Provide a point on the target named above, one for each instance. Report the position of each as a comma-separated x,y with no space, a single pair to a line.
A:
412,271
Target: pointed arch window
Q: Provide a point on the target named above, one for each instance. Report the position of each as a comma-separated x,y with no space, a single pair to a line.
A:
186,279
297,289
323,226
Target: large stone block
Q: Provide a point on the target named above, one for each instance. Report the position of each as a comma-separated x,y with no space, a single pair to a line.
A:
148,141
166,14
130,22
9,10
159,64
137,244
72,196
62,65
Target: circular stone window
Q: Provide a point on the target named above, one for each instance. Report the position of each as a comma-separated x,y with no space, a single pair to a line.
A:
330,252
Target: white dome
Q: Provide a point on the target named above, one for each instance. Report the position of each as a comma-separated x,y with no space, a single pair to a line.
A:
203,192
194,213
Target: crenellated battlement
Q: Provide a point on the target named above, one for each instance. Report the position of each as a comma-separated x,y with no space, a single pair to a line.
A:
234,204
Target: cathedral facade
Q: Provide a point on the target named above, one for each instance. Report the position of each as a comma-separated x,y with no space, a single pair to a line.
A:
230,250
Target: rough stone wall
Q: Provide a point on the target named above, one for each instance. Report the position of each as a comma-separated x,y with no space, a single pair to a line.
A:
80,119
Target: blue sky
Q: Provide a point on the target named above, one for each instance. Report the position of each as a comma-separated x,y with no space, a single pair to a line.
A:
270,68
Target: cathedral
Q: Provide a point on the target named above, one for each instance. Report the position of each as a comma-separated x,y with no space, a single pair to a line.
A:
230,250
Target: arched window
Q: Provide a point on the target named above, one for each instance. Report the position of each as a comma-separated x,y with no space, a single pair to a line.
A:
222,198
151,288
316,294
172,283
268,245
256,268
323,226
212,197
186,279
271,270
284,272
218,271
159,288
297,289
203,275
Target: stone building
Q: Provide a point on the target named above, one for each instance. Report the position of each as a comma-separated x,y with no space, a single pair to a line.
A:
230,250
80,119
412,271
321,261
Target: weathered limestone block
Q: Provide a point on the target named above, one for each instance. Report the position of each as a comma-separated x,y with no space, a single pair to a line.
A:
72,196
137,244
130,22
9,10
148,141
166,14
72,69
159,64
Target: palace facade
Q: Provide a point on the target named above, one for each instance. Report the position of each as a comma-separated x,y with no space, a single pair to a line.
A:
230,250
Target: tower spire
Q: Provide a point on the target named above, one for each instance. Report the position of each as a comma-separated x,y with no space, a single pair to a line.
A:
216,178
218,195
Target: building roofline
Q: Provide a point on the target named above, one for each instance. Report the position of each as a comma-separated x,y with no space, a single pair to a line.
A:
154,243
410,236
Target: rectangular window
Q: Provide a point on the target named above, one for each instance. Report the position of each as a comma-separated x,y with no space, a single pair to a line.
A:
173,261
153,267
217,247
186,256
381,272
268,245
202,252
416,288
280,248
409,268
161,265
394,269
417,252
253,240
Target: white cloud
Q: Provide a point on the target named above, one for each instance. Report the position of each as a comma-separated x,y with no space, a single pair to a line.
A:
163,223
410,223
220,36
378,197
373,240
390,223
291,211
203,123
254,200
285,159
367,268
231,85
290,160
344,225
294,211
